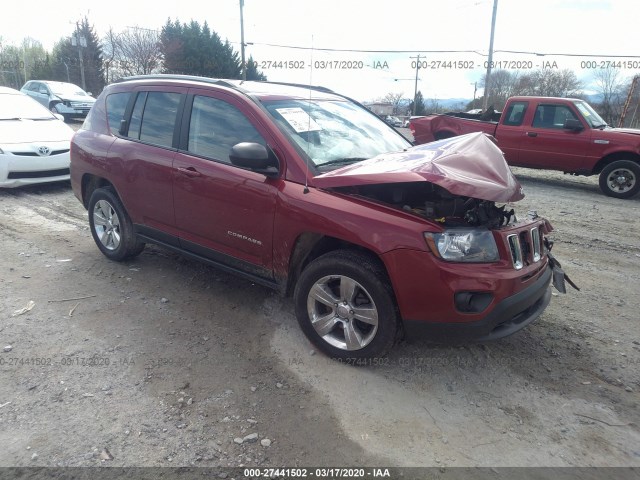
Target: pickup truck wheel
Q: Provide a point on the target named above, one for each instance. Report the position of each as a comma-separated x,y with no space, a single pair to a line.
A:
345,306
111,226
620,179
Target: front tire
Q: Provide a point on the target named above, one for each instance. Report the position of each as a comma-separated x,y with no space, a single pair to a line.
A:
54,109
111,226
620,179
345,306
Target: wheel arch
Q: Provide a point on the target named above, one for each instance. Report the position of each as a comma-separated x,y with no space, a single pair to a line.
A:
612,157
90,183
309,246
442,134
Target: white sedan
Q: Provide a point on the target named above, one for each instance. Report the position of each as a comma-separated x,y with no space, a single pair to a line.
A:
34,143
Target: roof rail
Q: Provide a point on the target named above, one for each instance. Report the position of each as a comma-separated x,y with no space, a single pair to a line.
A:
218,81
226,83
172,76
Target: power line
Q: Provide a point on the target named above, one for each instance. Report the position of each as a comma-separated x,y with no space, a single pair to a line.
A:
521,52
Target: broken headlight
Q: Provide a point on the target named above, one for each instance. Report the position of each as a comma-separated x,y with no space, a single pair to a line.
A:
463,245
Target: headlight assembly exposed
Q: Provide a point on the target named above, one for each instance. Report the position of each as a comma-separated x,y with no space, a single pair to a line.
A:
463,245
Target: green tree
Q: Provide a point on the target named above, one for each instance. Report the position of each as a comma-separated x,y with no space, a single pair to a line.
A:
192,49
419,105
66,65
20,62
252,71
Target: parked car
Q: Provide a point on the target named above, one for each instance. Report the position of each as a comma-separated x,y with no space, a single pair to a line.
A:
393,121
562,134
34,143
373,238
67,99
407,121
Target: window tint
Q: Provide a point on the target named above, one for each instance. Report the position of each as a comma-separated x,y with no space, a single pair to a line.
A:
116,105
552,116
515,113
216,126
159,118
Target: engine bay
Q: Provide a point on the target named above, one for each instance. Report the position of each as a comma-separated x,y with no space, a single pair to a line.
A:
436,203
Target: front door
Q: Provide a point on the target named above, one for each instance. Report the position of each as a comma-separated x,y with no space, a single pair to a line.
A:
223,212
546,144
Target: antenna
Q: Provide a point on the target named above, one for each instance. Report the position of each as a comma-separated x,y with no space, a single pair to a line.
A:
306,173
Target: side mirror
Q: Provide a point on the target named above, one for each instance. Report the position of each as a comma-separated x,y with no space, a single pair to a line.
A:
572,124
255,157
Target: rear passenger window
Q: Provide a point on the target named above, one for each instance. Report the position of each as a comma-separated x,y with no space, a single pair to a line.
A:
216,126
159,118
116,105
154,117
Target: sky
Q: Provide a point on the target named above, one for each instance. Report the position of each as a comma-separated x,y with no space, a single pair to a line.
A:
375,43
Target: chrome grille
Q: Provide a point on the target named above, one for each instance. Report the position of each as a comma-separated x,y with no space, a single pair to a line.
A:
516,251
536,244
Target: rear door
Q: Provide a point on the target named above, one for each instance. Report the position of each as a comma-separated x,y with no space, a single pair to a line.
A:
223,212
144,154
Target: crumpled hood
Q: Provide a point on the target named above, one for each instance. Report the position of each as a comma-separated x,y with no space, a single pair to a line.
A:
76,98
469,165
28,131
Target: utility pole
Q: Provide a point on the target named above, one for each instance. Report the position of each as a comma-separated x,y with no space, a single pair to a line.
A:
415,89
244,63
490,60
475,90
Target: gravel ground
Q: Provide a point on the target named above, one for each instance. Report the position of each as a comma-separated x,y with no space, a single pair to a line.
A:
165,362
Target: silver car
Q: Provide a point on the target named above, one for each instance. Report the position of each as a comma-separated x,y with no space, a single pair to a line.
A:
67,99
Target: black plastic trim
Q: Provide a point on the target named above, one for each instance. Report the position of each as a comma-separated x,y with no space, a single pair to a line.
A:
507,317
208,256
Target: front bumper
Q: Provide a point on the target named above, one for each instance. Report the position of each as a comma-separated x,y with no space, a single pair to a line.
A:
16,170
507,317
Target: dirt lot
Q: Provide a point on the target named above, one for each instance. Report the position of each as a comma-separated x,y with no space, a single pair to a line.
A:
164,362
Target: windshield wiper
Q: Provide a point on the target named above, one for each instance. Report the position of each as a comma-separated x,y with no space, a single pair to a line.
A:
341,161
602,125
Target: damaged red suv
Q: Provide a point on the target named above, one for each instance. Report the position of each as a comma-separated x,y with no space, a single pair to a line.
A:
306,191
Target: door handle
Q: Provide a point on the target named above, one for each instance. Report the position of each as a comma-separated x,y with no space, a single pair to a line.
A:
189,172
532,134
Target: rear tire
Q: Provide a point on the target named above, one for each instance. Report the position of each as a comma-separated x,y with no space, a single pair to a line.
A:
620,179
111,226
345,306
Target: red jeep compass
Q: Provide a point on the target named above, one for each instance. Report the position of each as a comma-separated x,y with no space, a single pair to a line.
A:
306,191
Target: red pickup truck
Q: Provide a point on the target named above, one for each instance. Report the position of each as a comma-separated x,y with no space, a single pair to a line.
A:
550,133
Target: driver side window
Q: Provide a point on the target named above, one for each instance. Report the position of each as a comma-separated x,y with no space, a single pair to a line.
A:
552,116
216,126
